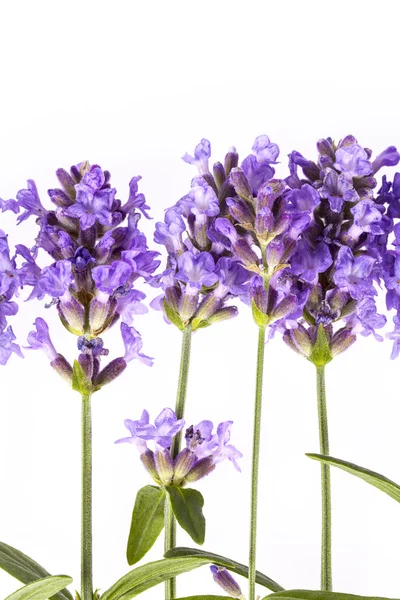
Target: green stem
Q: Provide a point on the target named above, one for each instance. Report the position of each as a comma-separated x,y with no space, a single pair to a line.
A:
169,542
326,544
86,535
169,519
255,463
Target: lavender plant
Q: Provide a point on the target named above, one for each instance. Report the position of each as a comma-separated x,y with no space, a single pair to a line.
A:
305,252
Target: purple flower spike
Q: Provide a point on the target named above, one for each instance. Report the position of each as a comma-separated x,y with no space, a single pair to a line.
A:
202,153
7,346
40,339
133,344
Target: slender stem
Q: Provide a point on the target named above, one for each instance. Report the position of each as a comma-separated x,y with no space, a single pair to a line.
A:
169,542
255,463
326,558
169,519
86,535
182,384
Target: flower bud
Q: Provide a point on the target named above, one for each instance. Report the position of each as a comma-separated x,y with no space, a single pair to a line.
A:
342,340
202,468
225,580
63,368
182,465
148,461
231,161
101,315
67,182
188,303
72,315
241,211
287,306
228,312
110,372
219,174
164,465
241,185
248,257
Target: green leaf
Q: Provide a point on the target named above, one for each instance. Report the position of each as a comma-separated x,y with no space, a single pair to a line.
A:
379,481
25,569
41,589
147,522
80,382
321,353
206,598
317,595
173,316
228,563
142,578
187,506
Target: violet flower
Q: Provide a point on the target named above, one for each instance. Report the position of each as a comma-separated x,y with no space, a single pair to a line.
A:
95,262
204,448
196,285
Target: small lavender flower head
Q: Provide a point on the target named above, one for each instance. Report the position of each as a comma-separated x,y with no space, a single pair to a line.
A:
97,253
200,275
204,447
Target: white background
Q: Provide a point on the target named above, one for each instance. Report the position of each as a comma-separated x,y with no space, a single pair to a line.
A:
132,86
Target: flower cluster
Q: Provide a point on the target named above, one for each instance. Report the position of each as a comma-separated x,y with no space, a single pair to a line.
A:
11,278
339,256
204,447
389,196
96,260
201,273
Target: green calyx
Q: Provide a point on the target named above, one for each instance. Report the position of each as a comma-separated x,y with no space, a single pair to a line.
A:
321,353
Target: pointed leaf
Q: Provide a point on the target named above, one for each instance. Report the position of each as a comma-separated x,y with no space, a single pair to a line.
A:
206,598
173,316
41,589
80,382
25,569
317,595
142,578
147,522
379,481
228,563
187,506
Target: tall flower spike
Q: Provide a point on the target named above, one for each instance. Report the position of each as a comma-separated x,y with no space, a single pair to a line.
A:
96,259
196,281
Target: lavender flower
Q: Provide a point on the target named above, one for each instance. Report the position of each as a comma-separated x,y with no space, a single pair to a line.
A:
196,284
350,225
204,448
95,261
7,345
225,580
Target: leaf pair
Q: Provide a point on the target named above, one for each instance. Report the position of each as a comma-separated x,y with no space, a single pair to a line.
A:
148,517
